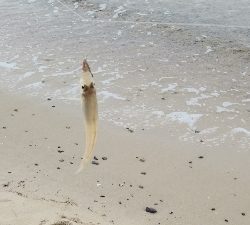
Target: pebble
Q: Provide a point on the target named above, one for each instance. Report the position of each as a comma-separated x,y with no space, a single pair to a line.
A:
151,210
130,130
95,163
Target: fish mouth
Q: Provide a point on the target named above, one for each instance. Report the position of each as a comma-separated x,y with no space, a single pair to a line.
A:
85,66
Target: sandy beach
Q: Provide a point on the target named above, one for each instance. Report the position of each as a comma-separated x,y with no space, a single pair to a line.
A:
174,113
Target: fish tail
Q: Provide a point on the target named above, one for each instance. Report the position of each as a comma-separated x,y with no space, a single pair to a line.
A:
89,147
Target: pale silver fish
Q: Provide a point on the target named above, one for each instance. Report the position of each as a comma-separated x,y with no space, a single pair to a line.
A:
90,111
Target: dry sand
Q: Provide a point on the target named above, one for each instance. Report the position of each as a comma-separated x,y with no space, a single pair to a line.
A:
174,112
41,149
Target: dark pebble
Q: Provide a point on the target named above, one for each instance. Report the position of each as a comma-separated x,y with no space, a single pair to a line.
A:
151,210
130,130
36,164
16,110
4,127
104,158
60,151
95,163
102,196
171,212
143,173
6,185
142,160
49,99
213,209
95,158
201,157
197,131
53,106
140,186
243,214
226,220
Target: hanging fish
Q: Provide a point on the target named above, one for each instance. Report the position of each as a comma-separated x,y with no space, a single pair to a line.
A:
90,113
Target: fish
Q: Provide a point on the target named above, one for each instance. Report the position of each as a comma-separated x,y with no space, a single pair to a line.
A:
90,113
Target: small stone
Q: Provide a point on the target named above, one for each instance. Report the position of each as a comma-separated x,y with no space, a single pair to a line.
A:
16,110
60,151
4,127
151,210
49,99
143,173
95,163
6,185
102,196
201,157
171,212
197,131
226,220
213,209
36,164
95,158
142,160
140,186
130,130
53,106
104,158
243,214
58,168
